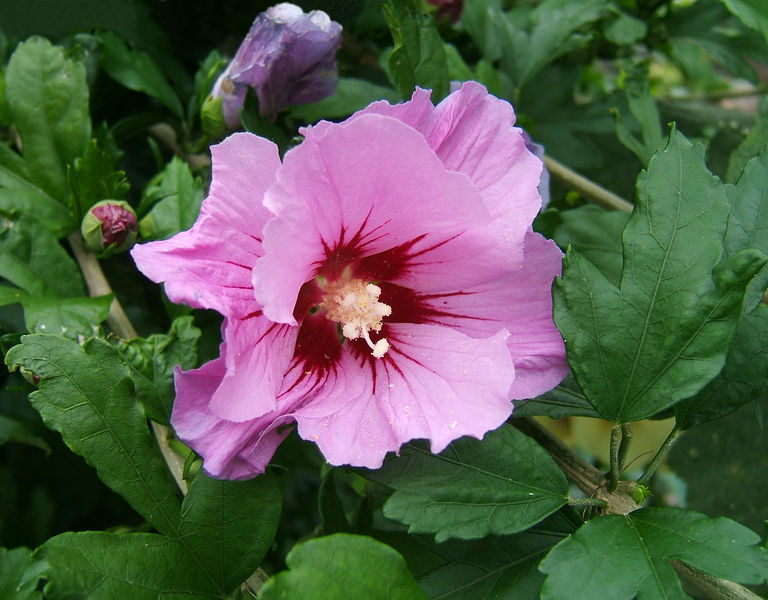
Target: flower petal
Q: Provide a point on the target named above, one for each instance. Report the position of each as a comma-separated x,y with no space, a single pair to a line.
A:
433,383
230,450
521,303
362,188
257,353
209,266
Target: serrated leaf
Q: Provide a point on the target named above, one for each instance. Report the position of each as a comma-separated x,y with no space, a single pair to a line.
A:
48,97
494,567
638,547
32,258
95,177
175,196
564,400
643,107
664,333
500,485
19,194
137,71
73,318
343,566
86,394
418,57
595,233
152,361
226,528
19,574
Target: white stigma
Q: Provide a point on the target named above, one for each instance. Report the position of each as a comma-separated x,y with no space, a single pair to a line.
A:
355,306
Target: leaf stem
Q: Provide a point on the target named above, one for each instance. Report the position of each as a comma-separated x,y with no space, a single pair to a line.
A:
615,467
626,438
586,187
587,502
660,455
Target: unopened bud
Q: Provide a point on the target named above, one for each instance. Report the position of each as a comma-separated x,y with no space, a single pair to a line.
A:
110,225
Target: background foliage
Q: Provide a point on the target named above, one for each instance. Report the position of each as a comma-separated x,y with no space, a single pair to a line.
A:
663,312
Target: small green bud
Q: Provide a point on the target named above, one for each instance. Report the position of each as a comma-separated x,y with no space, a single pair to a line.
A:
110,225
212,118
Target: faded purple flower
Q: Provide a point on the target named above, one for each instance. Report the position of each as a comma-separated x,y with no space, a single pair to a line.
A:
288,57
450,9
109,224
380,284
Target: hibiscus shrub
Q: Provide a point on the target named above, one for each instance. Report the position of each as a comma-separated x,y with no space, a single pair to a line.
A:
424,299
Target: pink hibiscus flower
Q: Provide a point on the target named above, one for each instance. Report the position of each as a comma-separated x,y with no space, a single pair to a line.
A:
379,285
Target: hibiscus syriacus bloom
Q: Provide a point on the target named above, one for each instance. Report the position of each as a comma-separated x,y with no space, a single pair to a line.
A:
381,284
288,57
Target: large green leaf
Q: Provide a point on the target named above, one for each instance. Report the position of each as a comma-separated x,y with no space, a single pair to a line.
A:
19,575
664,333
351,95
18,193
494,567
418,57
137,71
74,318
564,400
152,361
500,485
752,145
86,394
48,97
620,556
32,258
343,566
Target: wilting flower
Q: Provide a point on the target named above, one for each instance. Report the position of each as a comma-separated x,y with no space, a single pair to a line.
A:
382,284
288,57
109,225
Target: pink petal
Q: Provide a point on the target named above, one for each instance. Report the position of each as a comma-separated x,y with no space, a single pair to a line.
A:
521,303
230,450
256,352
369,185
209,266
434,383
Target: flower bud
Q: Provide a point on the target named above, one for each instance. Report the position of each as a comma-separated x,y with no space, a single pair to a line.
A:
288,57
109,225
448,9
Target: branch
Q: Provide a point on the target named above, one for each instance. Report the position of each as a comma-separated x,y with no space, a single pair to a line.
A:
596,193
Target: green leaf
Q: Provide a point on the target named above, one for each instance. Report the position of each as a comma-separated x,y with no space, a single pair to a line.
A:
10,295
625,29
753,13
175,196
351,95
627,555
333,519
12,430
74,318
742,379
32,258
137,71
95,177
565,400
226,528
494,567
343,566
595,233
19,575
418,57
643,107
19,194
152,361
752,145
664,333
48,97
86,394
500,485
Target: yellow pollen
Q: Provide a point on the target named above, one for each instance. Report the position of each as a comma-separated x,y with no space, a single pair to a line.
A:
355,305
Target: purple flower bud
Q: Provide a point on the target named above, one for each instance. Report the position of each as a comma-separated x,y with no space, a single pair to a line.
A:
288,57
109,224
